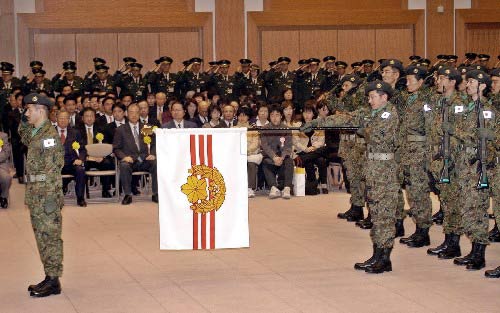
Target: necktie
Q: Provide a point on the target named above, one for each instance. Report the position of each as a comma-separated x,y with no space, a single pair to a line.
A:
179,125
72,121
90,139
160,111
103,83
136,137
63,137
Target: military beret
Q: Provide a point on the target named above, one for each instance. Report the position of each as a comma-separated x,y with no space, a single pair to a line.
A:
69,66
367,62
392,63
224,63
38,72
418,71
480,76
341,64
452,57
273,63
495,72
284,60
471,55
356,64
451,73
313,60
195,60
245,61
98,61
329,58
351,78
462,69
477,67
135,65
483,57
425,62
7,68
37,99
302,61
36,64
167,60
101,68
129,60
379,85
414,58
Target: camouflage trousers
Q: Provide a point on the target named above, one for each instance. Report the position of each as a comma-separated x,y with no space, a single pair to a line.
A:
417,186
473,203
357,176
47,227
382,186
494,177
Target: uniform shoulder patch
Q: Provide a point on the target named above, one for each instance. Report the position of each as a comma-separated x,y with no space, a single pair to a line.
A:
385,115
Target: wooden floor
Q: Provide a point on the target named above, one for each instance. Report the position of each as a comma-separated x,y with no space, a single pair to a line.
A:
301,260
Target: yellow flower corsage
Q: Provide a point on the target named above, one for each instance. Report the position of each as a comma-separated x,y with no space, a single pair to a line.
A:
147,140
75,145
1,143
99,137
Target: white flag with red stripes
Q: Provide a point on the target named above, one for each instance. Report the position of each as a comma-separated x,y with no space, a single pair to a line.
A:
202,188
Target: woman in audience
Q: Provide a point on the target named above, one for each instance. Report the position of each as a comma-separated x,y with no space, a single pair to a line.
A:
254,157
191,108
215,113
262,115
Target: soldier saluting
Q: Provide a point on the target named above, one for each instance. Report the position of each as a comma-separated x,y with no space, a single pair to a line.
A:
44,195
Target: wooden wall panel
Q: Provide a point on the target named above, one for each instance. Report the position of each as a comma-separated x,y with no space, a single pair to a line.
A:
356,44
394,43
180,46
484,40
53,50
317,43
485,4
333,4
143,46
276,43
90,45
99,5
230,31
439,28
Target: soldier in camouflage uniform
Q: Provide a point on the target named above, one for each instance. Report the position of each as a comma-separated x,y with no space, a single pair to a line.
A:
352,99
382,184
414,157
494,234
448,98
44,195
392,71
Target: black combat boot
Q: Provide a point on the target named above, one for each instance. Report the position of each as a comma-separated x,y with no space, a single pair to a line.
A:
493,273
453,248
400,228
477,261
494,234
51,287
382,264
466,259
422,239
412,237
376,254
33,287
438,217
441,247
356,214
367,222
346,213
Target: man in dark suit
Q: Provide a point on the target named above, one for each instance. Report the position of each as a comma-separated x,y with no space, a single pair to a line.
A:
178,120
144,116
119,119
107,116
202,117
18,148
75,119
160,110
89,131
133,154
74,156
227,117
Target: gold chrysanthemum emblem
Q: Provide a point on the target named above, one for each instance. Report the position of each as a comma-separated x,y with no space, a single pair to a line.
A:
204,198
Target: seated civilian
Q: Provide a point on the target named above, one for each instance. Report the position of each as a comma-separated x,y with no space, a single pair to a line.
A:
75,120
262,115
202,116
254,157
118,120
228,115
178,121
215,113
160,110
310,150
89,131
145,117
107,106
191,108
133,154
277,151
74,156
5,178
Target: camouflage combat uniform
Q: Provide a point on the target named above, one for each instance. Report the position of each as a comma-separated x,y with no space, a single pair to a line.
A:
44,195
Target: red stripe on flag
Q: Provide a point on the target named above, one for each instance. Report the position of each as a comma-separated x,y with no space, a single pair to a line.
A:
201,153
212,214
195,215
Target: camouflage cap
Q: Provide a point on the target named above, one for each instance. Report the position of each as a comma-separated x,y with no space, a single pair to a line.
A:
351,78
451,73
480,76
37,99
379,85
396,64
418,71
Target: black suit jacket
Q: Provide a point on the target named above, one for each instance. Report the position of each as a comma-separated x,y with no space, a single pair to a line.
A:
187,124
70,155
95,129
124,144
109,132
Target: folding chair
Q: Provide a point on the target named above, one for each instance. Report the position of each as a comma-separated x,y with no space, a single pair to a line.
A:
102,150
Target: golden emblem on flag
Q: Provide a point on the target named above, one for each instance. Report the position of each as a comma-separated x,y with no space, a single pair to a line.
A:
203,199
